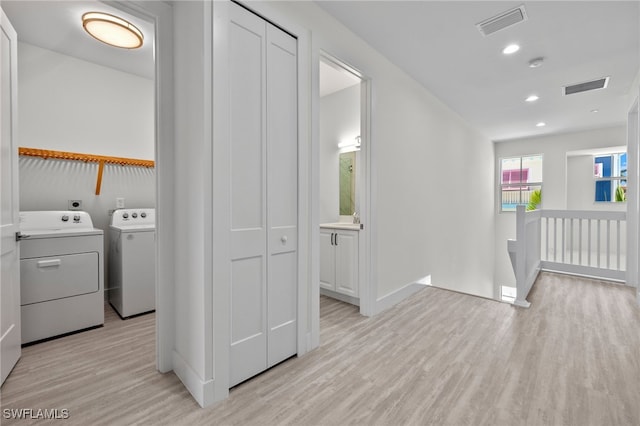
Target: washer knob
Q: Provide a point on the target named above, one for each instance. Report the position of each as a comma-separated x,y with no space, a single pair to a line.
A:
76,218
134,215
143,215
65,218
125,215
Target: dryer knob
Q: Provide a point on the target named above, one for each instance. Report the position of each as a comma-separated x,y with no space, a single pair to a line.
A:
143,215
76,218
65,218
125,215
134,215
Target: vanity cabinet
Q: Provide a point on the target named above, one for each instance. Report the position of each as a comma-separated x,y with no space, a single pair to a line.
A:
339,261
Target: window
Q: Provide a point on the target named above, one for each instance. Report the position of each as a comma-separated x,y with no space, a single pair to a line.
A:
521,181
610,174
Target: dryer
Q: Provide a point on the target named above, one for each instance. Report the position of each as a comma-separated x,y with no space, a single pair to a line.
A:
132,261
61,274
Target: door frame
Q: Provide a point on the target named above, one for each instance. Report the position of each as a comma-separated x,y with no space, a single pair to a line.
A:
160,13
365,285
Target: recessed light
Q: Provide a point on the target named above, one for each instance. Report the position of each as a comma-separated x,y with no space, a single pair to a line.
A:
512,48
595,111
541,124
112,30
532,98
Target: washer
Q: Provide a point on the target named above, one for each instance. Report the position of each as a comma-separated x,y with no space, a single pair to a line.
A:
61,274
132,261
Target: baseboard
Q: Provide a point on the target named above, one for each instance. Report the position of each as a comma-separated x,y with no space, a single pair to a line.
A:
397,296
339,296
202,391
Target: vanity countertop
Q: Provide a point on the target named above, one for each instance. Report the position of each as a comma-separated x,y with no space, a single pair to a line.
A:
343,225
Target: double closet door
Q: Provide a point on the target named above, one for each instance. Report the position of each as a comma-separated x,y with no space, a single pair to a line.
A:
264,200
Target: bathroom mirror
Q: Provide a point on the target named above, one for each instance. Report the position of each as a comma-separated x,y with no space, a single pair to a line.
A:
347,183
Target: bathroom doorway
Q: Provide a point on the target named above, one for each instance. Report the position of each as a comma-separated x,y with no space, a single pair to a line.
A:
344,183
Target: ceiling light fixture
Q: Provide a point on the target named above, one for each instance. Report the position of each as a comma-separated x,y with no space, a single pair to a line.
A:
512,48
541,124
594,111
112,30
536,62
532,98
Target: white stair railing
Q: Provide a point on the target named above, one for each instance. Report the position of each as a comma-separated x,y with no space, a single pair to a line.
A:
579,242
590,243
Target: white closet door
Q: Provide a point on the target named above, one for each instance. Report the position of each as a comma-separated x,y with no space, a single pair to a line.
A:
248,192
264,188
282,194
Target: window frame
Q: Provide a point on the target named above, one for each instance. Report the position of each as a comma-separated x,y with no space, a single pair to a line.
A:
502,186
610,179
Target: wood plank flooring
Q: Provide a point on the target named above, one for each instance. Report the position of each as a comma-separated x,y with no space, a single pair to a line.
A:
439,358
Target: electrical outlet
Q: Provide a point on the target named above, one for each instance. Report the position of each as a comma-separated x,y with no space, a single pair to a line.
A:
120,203
75,205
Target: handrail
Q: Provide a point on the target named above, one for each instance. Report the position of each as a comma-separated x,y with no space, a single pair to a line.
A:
87,158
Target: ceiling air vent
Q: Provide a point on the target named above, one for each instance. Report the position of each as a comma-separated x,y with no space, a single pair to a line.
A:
600,83
502,21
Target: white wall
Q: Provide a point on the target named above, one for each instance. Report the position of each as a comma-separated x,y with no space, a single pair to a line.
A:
339,120
68,104
420,227
555,181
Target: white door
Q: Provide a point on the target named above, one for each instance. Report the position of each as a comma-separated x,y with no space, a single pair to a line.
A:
10,337
282,195
263,201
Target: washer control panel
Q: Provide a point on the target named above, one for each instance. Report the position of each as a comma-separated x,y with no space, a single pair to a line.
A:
129,217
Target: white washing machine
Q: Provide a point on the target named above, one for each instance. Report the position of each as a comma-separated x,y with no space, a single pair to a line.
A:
61,274
132,261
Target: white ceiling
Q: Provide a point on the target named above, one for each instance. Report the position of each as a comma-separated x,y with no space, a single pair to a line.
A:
57,26
333,78
438,44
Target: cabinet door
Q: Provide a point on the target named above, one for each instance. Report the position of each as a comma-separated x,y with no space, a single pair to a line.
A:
327,260
346,248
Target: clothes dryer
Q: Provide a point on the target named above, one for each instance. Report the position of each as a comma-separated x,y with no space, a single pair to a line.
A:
61,274
132,279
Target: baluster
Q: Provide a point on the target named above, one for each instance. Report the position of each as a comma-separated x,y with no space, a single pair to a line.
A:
589,243
608,243
598,245
618,245
563,244
571,240
580,242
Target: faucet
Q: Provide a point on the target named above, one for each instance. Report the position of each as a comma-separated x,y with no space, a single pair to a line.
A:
356,217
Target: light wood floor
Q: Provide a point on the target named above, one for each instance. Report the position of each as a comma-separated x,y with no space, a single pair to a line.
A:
440,358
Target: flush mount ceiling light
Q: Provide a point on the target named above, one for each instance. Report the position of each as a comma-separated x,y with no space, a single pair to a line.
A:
112,30
512,48
541,124
532,98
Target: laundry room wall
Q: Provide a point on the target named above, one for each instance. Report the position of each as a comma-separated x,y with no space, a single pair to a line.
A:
68,104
